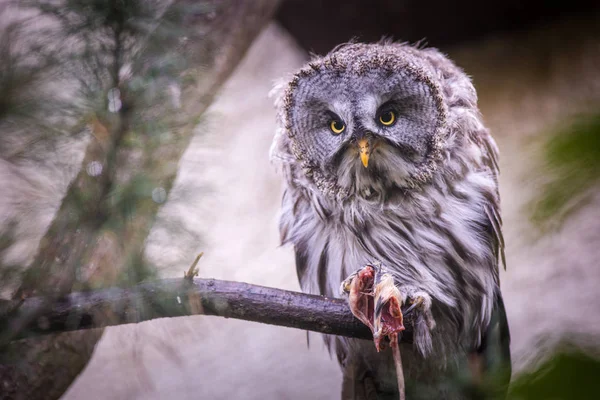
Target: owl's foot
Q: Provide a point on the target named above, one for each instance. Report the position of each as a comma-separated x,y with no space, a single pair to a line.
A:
421,318
421,302
376,301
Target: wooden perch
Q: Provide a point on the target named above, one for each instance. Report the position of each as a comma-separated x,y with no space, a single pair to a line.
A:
179,297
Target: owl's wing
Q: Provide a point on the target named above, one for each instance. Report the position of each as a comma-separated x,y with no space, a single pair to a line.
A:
496,237
495,350
492,208
495,342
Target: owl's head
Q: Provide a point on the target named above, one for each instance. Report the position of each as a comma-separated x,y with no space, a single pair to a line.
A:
367,120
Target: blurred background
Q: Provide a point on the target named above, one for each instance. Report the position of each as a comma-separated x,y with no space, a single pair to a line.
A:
134,134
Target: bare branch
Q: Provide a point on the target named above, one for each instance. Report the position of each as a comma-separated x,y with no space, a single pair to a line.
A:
180,297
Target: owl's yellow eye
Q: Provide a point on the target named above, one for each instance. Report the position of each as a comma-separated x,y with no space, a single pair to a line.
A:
387,118
337,126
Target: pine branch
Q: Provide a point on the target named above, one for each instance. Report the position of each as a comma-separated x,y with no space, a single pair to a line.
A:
130,53
180,297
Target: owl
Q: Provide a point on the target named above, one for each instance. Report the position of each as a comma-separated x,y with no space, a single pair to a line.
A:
386,162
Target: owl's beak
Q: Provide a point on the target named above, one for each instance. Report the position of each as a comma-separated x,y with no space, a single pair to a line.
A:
364,149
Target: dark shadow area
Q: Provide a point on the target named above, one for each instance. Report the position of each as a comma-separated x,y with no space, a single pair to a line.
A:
319,25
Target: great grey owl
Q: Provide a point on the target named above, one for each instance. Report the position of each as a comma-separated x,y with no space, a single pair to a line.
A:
386,160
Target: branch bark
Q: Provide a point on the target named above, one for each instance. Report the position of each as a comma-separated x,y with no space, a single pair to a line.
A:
180,297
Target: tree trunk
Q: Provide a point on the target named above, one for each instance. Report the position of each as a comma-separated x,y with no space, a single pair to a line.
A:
94,240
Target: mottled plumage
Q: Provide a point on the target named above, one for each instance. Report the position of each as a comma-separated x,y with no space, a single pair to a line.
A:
426,207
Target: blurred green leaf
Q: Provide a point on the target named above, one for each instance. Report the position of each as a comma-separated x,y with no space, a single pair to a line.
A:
566,376
572,156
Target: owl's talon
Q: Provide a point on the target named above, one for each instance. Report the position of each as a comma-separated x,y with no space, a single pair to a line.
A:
421,302
347,283
421,319
417,302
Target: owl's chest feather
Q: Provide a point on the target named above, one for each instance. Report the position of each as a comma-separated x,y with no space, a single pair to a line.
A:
437,242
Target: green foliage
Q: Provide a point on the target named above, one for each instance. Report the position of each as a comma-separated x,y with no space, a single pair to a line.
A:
27,64
106,36
572,157
126,199
18,78
7,238
121,69
84,16
566,376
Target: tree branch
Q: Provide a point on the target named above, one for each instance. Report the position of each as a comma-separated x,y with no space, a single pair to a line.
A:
179,297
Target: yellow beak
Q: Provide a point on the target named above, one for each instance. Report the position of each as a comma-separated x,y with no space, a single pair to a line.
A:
364,151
